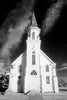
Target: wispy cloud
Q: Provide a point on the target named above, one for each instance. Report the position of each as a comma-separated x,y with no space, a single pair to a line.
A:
52,15
15,25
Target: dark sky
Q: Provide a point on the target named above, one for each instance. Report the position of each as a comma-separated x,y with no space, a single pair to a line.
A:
54,43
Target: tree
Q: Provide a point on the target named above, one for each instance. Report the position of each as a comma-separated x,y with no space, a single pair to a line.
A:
63,83
4,78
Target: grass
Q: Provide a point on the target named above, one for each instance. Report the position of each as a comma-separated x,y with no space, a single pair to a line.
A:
16,96
36,96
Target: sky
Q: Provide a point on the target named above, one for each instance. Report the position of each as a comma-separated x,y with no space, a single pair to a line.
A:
51,16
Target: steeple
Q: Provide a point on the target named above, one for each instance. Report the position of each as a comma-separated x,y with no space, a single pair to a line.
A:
34,31
33,22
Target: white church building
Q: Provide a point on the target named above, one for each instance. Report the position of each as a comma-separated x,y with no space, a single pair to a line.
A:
33,70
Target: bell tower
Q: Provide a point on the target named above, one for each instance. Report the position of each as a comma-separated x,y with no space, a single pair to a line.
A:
32,77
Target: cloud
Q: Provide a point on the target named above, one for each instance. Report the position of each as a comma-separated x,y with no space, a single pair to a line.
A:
52,15
14,27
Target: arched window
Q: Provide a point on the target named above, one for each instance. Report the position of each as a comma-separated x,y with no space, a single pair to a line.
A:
47,68
33,35
33,72
33,58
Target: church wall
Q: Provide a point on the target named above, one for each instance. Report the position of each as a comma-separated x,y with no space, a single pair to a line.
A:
56,84
13,79
43,70
46,87
43,64
43,60
55,80
14,74
27,84
32,83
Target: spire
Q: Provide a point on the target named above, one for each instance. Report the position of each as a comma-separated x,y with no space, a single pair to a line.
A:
34,23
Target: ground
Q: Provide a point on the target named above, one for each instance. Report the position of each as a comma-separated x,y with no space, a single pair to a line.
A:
31,96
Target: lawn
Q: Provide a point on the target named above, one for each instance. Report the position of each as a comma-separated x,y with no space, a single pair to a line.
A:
46,96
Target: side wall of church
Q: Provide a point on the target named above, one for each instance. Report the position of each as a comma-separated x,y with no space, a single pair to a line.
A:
14,74
13,79
47,84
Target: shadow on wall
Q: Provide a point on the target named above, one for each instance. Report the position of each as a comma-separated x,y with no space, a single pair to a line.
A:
22,69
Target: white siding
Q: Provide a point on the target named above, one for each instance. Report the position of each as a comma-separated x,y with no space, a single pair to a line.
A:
32,83
46,87
45,60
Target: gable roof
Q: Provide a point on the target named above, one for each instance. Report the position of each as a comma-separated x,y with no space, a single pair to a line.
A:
47,57
18,60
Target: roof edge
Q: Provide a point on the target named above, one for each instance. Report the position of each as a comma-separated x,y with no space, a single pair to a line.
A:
47,57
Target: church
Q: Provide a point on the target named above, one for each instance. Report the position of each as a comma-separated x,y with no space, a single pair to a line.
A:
33,70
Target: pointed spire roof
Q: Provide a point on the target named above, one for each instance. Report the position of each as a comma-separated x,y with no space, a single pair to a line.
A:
34,23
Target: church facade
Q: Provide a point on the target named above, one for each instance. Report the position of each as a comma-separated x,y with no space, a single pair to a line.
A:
33,70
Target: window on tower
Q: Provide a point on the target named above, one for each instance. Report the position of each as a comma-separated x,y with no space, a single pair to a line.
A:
33,35
33,58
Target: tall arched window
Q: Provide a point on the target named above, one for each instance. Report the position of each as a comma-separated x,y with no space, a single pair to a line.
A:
33,58
33,35
47,68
